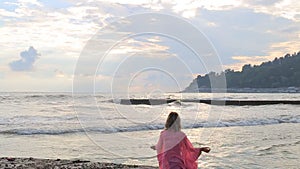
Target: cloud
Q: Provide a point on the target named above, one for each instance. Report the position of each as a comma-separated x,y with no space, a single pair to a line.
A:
262,2
245,32
242,31
59,73
26,62
242,60
145,45
275,50
288,9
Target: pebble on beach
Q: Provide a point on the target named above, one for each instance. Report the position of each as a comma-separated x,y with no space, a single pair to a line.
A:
30,163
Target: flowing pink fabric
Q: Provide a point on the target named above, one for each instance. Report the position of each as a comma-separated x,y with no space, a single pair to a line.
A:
175,151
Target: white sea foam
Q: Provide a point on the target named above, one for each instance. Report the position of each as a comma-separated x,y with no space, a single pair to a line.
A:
111,129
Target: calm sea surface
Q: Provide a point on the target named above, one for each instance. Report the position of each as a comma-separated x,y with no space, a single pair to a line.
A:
97,127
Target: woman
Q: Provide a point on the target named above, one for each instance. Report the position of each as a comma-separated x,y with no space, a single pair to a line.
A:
174,150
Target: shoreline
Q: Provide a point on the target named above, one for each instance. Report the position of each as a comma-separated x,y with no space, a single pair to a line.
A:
29,163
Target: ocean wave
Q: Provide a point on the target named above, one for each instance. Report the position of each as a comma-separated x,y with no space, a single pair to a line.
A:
249,122
55,96
109,101
143,127
22,120
275,146
79,130
30,97
40,131
59,96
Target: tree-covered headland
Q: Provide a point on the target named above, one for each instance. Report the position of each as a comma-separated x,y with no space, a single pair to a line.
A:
281,73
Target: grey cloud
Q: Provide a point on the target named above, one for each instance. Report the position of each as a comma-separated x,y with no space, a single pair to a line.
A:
262,2
242,31
25,63
297,17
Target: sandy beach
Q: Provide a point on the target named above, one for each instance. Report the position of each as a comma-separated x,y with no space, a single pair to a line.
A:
31,163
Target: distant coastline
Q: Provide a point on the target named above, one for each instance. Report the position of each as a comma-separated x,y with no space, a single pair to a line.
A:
244,90
282,75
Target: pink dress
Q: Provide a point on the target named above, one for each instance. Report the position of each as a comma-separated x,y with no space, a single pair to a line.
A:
175,151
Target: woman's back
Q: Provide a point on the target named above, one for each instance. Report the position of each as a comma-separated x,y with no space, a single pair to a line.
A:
175,151
170,139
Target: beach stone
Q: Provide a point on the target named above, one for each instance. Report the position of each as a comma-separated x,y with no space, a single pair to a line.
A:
33,163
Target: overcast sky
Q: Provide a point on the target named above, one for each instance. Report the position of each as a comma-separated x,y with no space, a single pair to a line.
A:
42,42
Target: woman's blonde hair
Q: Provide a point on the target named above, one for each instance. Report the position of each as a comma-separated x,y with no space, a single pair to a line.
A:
173,122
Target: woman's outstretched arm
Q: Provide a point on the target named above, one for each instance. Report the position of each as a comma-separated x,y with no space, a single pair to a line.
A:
205,149
158,146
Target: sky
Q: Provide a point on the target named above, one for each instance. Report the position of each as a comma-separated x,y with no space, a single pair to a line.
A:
99,45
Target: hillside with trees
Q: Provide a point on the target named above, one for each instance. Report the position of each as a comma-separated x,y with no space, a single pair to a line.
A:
281,73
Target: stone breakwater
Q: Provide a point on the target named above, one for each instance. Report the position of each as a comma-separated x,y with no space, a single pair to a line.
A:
212,102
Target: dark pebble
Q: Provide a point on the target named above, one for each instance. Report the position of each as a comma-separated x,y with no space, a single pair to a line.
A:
10,159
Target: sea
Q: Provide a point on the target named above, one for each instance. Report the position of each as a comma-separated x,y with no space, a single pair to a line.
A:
97,127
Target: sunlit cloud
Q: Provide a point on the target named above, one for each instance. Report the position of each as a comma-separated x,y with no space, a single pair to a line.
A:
276,50
242,60
145,46
281,8
59,73
287,47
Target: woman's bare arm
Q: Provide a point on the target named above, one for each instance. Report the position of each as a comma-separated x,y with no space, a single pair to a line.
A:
205,149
